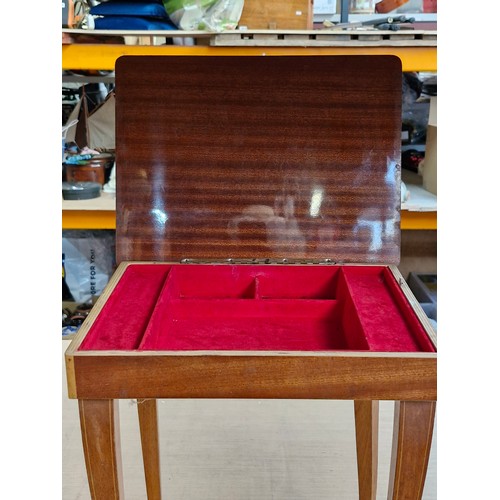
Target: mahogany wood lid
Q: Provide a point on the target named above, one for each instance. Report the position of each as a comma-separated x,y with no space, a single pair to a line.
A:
274,157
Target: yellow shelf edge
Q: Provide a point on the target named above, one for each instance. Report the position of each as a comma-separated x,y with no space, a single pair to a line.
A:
106,219
88,219
418,220
104,56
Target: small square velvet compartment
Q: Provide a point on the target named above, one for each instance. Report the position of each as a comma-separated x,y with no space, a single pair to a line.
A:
257,307
254,282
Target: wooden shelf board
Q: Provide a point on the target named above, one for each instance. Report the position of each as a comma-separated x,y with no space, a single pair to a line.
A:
107,201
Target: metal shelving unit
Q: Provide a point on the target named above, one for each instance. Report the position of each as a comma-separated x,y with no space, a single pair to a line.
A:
417,51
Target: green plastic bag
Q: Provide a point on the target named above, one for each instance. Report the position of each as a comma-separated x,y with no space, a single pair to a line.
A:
206,15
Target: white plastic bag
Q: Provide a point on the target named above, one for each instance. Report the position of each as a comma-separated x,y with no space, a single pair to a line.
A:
209,15
89,262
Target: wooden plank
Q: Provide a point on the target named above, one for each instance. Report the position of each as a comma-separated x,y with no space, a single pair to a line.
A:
278,377
96,213
273,37
366,415
70,376
100,427
280,14
369,38
207,34
333,39
412,439
327,37
405,36
75,33
104,202
148,423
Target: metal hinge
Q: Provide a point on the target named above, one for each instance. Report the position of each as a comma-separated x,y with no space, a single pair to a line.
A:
260,261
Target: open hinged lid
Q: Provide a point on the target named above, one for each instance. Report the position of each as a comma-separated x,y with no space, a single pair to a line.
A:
258,157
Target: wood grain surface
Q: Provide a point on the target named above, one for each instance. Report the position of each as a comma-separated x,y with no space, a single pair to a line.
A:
100,427
282,14
411,445
218,375
366,417
148,424
301,449
258,157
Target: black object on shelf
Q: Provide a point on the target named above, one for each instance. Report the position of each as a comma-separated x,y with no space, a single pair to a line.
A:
411,158
81,190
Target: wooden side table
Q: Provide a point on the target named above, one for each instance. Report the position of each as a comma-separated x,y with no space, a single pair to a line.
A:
258,229
99,377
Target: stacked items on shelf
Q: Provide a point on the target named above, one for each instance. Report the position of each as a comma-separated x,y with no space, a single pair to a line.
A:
418,141
73,316
88,149
207,15
85,172
131,15
211,15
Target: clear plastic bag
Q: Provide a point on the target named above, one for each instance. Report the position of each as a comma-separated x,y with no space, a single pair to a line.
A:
209,15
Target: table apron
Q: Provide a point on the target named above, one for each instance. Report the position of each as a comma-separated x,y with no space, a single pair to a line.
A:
271,377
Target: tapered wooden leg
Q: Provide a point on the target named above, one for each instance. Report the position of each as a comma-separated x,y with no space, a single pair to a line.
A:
411,445
101,446
366,418
148,424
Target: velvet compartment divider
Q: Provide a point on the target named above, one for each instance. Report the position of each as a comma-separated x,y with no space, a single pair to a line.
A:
222,307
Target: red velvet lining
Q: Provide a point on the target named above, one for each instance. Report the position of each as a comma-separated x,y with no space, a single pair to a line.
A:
356,339
241,324
407,313
261,307
378,299
121,322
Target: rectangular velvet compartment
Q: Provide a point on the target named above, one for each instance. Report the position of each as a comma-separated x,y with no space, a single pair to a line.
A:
163,307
